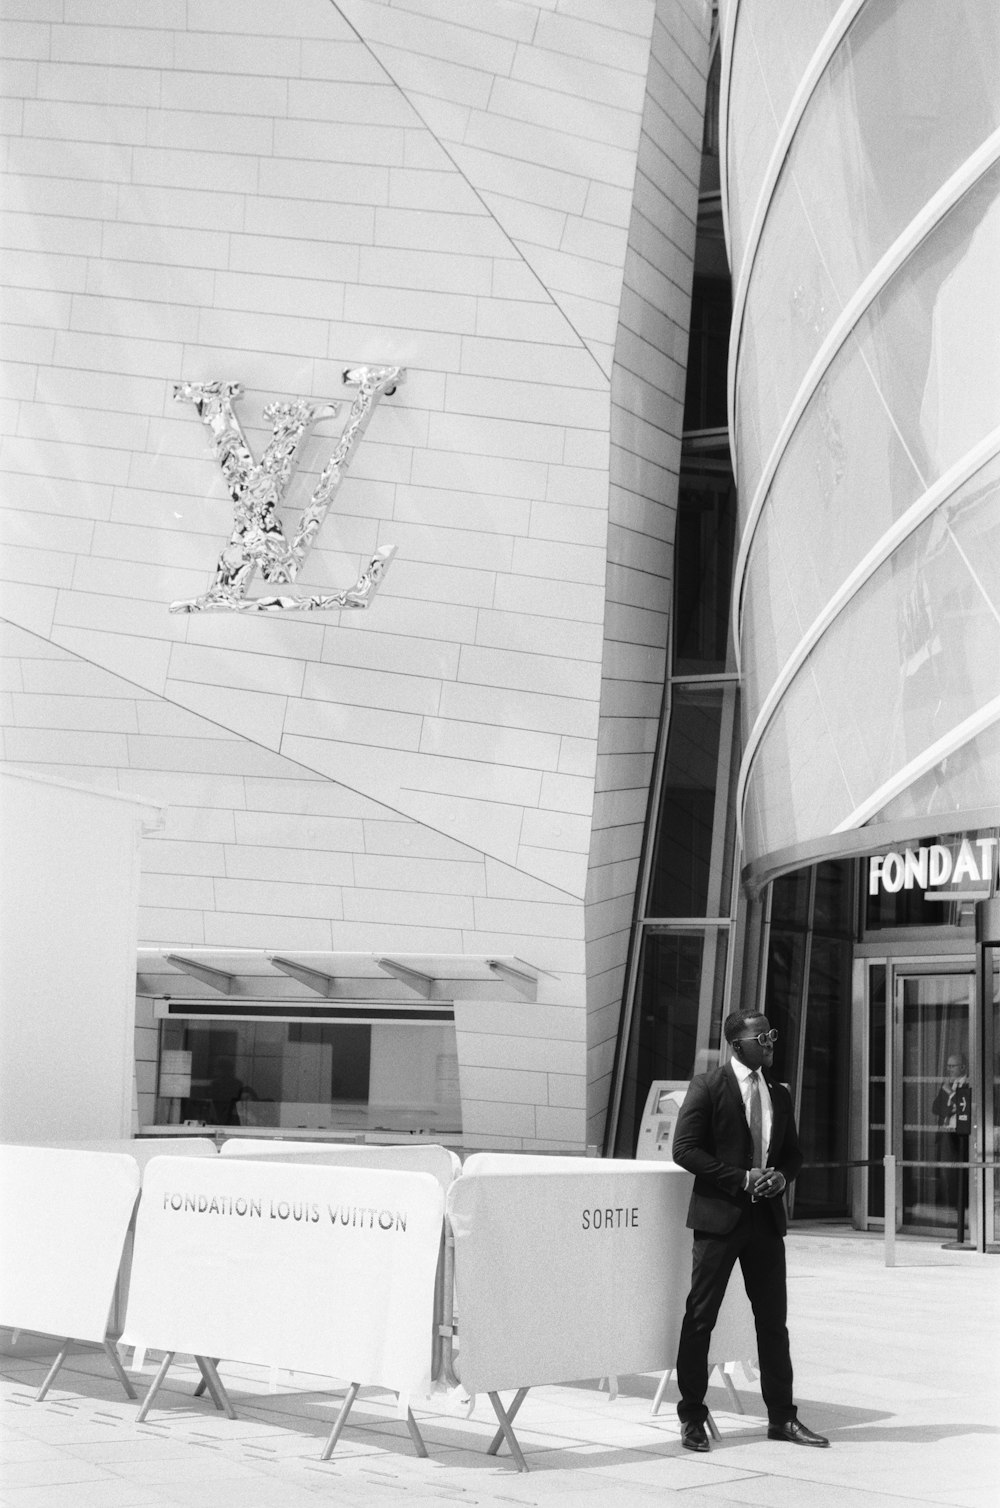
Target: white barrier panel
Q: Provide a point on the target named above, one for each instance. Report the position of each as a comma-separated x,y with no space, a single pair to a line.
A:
426,1157
568,1269
65,1215
316,1269
142,1149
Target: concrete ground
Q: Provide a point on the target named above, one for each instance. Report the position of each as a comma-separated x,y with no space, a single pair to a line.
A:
899,1366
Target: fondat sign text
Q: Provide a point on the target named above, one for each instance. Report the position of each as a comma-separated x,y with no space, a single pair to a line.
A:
935,867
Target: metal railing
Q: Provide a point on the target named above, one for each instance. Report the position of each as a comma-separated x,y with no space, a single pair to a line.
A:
891,1164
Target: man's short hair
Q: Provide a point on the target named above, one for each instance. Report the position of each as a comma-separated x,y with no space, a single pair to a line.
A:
733,1025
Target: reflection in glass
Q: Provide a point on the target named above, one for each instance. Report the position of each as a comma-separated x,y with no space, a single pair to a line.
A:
935,1029
345,1076
681,976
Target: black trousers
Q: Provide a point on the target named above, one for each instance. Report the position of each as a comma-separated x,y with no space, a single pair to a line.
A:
761,1254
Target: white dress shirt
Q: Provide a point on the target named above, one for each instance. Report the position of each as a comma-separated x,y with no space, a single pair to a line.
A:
743,1073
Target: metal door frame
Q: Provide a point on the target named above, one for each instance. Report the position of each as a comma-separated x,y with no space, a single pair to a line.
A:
899,970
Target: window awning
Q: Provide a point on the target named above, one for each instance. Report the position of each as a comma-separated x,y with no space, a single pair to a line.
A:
254,977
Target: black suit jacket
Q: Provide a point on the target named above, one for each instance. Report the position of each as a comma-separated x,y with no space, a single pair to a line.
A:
712,1141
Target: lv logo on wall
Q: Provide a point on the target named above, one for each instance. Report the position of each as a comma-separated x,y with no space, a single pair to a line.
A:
258,541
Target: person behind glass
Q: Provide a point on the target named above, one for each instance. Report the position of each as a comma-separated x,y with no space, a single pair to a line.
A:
953,1107
736,1134
952,1101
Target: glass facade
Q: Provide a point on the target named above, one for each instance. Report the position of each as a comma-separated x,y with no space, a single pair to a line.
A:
849,203
864,562
866,388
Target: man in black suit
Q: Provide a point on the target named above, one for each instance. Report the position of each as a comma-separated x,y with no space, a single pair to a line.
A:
736,1134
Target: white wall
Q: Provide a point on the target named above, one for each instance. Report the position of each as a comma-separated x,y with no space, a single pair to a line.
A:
68,902
233,189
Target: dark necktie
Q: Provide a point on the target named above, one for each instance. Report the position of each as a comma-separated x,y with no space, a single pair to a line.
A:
756,1122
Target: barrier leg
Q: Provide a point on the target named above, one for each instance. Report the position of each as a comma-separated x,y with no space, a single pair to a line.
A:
340,1421
505,1427
203,1384
123,1377
713,1428
497,1440
154,1387
213,1382
734,1397
661,1389
50,1375
415,1435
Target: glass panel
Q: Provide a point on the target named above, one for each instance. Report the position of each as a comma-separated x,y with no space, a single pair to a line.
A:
790,900
876,1091
358,1077
758,101
708,354
833,910
993,1142
680,988
703,569
822,1192
783,998
926,630
692,866
964,782
866,157
934,1068
913,388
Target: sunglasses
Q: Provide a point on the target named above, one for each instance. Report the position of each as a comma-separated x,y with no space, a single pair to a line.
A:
762,1037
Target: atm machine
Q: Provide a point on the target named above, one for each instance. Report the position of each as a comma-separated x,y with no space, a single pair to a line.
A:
656,1129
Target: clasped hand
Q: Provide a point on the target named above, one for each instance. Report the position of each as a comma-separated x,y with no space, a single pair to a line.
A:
766,1183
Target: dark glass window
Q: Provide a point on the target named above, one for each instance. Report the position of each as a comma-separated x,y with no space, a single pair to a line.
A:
703,570
708,355
790,900
823,1121
692,865
876,1092
783,998
312,1075
677,969
808,998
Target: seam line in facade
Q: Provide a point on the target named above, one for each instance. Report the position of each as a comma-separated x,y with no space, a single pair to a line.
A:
884,547
921,226
727,31
818,64
961,734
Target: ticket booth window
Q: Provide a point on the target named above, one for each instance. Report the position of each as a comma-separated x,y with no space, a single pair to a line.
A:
297,1075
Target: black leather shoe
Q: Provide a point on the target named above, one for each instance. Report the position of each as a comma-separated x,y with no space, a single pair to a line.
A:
795,1433
694,1437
